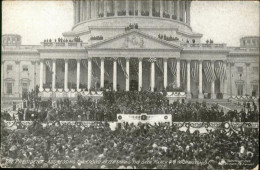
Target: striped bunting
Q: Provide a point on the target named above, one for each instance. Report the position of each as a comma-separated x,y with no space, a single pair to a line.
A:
183,70
105,72
49,65
159,63
195,72
122,67
173,67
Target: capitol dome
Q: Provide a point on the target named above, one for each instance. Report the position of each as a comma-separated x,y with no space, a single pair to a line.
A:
102,19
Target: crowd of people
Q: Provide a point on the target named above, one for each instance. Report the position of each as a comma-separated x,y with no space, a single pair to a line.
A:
76,39
132,102
143,146
131,26
167,38
96,37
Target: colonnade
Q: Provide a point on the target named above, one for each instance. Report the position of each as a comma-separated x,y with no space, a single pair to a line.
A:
140,74
91,9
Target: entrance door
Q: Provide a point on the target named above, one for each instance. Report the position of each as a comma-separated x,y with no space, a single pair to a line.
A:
255,90
133,85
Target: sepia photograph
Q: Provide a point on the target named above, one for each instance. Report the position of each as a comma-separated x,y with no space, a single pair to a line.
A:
130,84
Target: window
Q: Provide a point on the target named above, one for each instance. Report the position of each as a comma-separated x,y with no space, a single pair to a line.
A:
240,69
256,69
244,42
9,88
9,68
25,67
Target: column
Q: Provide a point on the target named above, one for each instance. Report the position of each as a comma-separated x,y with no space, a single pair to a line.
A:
102,72
225,82
115,7
161,8
188,12
78,74
152,76
81,11
213,94
150,8
165,83
128,73
66,75
188,80
53,74
183,11
140,74
74,11
178,10
127,7
41,75
170,8
88,10
201,95
105,8
115,74
178,70
89,73
139,7
96,8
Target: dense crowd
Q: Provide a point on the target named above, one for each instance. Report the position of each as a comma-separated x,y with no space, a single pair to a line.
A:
76,39
133,102
158,146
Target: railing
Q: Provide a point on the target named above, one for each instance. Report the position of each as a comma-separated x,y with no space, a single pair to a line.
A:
20,47
61,44
60,93
205,46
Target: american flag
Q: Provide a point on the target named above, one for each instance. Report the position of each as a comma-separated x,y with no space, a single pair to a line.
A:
209,72
220,70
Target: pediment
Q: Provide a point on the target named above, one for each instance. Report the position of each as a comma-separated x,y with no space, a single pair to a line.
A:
134,40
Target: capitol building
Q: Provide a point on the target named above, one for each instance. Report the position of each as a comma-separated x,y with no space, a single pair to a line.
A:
130,45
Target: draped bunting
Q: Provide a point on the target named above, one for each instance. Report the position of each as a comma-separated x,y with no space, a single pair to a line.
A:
209,73
173,67
152,59
159,63
122,67
96,62
195,72
220,71
84,64
49,65
183,71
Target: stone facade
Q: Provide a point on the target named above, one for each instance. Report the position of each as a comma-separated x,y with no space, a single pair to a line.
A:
162,52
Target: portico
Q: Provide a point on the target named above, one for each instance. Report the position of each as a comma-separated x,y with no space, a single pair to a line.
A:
165,60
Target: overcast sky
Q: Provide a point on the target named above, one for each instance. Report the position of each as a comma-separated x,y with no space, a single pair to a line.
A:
224,22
